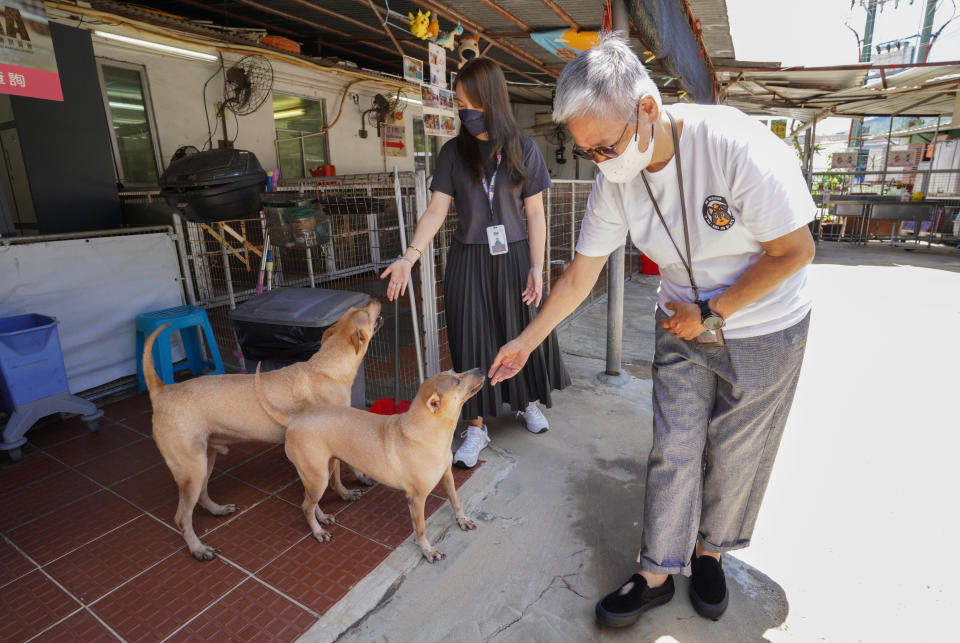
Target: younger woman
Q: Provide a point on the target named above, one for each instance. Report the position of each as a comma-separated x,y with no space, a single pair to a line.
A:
495,177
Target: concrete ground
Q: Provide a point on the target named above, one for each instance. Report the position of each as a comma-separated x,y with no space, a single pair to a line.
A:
852,543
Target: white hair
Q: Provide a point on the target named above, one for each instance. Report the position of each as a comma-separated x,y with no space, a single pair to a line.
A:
606,81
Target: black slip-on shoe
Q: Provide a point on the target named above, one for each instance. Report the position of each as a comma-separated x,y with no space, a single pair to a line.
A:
625,605
708,587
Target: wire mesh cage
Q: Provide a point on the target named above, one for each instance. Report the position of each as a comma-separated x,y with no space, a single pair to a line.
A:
361,212
361,215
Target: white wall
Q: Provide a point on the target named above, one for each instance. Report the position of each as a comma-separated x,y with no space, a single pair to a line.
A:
176,86
525,115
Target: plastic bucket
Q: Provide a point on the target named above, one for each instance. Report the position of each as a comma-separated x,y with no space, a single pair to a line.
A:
647,267
385,406
31,363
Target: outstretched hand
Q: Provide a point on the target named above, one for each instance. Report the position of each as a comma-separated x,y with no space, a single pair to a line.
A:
399,273
508,362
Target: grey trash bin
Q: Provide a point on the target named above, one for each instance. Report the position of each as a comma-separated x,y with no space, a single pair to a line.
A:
285,325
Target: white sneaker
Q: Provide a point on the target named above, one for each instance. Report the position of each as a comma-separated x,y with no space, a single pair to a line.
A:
475,441
534,419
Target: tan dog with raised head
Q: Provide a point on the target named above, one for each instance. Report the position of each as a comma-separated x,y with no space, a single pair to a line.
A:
410,452
196,419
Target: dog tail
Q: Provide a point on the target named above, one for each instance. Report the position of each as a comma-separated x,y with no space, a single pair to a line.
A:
278,416
154,383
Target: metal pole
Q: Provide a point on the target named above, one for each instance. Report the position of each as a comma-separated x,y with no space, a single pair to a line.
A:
615,261
573,221
886,155
928,13
546,258
428,284
310,267
228,277
184,260
933,154
413,301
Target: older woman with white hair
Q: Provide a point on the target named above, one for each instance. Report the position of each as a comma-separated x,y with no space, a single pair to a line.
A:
720,204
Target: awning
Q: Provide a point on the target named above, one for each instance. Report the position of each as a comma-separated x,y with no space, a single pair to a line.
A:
923,89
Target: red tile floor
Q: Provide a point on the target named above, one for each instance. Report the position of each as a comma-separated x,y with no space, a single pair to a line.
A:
88,551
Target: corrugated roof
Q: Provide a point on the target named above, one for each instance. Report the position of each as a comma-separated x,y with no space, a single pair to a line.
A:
915,90
715,24
349,29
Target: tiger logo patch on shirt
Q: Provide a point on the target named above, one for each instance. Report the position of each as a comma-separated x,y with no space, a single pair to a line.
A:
717,214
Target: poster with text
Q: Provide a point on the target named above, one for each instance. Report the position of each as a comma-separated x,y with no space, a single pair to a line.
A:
28,66
438,64
393,140
412,69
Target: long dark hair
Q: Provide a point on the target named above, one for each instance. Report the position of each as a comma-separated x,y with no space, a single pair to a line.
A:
483,83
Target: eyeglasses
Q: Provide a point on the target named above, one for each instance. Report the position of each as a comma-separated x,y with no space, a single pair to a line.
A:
606,151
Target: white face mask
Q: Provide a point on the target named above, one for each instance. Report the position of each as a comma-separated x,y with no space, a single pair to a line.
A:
625,167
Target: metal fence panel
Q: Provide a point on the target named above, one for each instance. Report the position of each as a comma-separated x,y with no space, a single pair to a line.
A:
364,240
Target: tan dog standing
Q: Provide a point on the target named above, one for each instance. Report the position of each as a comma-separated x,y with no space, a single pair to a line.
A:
410,452
196,419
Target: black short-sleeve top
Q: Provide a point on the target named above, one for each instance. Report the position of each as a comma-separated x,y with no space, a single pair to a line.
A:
453,177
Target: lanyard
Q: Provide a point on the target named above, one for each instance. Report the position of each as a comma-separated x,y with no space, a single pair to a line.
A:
688,262
488,188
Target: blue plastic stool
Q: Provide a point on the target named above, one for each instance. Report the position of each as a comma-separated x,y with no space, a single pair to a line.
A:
189,320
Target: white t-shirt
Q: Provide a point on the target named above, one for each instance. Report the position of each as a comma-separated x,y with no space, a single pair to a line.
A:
742,185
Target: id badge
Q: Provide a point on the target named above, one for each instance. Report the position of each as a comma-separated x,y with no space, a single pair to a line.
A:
709,339
497,239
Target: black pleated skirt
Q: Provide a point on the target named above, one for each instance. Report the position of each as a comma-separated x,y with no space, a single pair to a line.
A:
484,311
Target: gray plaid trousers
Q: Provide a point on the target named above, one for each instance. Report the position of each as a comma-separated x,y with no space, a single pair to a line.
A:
718,416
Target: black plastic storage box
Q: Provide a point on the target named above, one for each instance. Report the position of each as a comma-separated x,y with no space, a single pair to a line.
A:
216,185
285,325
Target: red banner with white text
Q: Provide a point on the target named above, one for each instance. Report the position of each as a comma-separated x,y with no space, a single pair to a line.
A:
28,66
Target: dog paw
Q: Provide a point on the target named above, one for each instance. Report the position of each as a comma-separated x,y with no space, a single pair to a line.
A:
366,480
323,536
466,525
324,519
205,552
433,555
351,495
225,510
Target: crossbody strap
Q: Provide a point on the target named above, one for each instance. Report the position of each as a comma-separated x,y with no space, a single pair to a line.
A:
688,261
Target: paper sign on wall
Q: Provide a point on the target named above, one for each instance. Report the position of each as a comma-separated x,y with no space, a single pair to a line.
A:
844,159
438,65
393,140
28,66
412,70
438,111
438,124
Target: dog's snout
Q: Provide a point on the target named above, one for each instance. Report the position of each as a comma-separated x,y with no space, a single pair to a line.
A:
476,377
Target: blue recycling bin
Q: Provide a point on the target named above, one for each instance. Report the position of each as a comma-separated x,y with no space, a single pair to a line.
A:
31,364
33,379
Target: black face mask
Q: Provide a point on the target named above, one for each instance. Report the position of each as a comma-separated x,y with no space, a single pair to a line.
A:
472,120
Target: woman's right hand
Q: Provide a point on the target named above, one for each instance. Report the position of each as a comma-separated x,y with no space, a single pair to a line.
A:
399,274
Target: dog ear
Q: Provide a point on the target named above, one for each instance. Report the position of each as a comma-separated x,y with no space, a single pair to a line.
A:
327,333
433,402
358,339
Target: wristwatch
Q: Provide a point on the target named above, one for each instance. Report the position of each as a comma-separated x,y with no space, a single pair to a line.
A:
710,319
